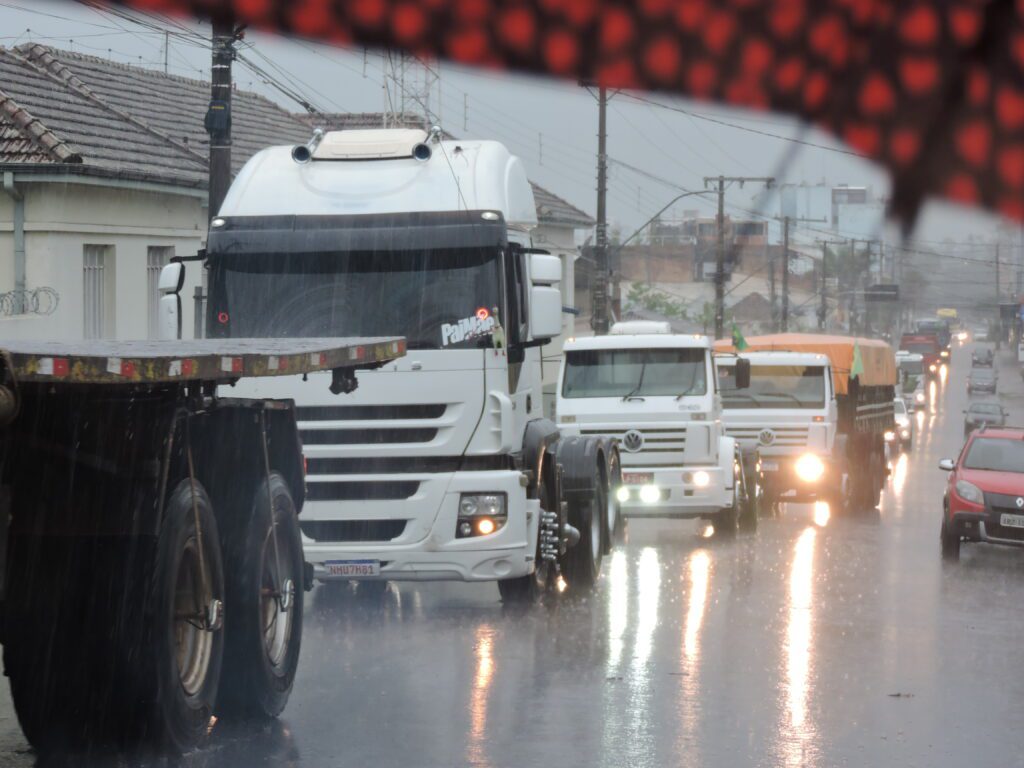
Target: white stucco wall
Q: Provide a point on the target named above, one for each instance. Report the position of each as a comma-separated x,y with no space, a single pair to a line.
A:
62,218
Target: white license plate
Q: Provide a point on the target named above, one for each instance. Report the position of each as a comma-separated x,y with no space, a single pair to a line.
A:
353,569
637,478
769,466
1011,521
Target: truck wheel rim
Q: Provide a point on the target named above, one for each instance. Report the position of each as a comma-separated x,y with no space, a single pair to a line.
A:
193,642
277,600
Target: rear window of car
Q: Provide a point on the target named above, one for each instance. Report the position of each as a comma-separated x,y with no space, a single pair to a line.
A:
982,374
995,454
986,408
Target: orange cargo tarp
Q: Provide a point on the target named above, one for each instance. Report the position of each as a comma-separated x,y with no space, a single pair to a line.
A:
877,357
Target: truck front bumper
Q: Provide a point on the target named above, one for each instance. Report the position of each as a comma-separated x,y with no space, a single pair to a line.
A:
428,548
678,494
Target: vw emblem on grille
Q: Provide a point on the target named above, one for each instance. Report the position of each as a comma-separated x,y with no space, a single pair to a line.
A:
1020,502
767,437
633,441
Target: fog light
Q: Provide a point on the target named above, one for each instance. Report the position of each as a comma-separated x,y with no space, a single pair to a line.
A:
809,468
622,494
481,514
701,478
649,494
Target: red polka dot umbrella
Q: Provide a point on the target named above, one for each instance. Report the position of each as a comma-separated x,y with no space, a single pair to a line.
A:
932,90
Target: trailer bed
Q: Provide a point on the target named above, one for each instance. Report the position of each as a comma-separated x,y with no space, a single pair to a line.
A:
209,360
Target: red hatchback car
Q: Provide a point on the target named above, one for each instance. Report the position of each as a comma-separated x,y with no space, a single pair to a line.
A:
984,498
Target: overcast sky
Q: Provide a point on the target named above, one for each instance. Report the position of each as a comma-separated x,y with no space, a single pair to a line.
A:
550,124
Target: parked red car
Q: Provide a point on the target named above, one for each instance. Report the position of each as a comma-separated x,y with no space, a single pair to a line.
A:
984,498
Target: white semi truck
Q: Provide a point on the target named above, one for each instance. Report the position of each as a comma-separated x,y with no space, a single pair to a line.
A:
440,466
656,393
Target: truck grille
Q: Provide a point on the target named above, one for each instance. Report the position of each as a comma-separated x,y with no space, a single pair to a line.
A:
784,436
388,490
369,424
353,530
661,448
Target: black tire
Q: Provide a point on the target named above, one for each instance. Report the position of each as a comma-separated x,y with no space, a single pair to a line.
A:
182,708
950,543
581,564
727,521
615,534
265,607
532,587
92,643
748,504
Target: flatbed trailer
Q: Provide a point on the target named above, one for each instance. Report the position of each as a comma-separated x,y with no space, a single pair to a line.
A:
152,573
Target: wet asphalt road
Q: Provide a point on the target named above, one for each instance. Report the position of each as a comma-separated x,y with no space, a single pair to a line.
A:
847,643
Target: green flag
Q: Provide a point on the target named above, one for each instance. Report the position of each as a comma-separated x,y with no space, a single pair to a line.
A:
857,368
737,339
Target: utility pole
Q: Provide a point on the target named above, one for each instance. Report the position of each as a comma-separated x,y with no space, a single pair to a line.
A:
720,254
999,311
218,116
823,299
785,274
773,297
599,286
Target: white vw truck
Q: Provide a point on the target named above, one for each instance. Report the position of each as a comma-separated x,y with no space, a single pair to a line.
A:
785,423
656,393
439,466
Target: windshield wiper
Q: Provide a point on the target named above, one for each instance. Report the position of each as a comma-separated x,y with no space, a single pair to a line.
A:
690,386
747,395
639,384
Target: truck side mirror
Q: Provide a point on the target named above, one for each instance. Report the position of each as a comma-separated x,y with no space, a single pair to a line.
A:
742,373
172,280
545,297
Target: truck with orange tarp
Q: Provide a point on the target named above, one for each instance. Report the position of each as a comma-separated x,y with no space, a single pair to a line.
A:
814,421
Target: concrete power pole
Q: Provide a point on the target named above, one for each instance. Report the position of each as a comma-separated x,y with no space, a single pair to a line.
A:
721,181
999,311
823,299
785,274
599,286
218,116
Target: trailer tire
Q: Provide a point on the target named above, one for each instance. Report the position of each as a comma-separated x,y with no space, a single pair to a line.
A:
185,699
264,629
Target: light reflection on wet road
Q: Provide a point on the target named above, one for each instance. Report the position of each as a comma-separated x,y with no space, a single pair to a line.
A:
816,641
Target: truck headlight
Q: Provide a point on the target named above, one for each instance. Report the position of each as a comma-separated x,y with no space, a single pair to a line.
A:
481,514
919,397
889,436
904,433
701,478
649,494
944,353
969,492
622,494
810,468
933,367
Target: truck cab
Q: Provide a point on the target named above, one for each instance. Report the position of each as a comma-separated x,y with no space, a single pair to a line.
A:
440,465
657,394
785,422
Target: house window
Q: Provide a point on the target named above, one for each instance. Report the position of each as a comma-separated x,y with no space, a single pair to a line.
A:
97,259
157,257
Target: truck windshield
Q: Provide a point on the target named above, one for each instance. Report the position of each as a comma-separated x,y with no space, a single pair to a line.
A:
634,372
912,367
436,299
775,386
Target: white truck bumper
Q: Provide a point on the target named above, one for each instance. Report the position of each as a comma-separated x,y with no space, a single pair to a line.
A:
438,555
678,495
